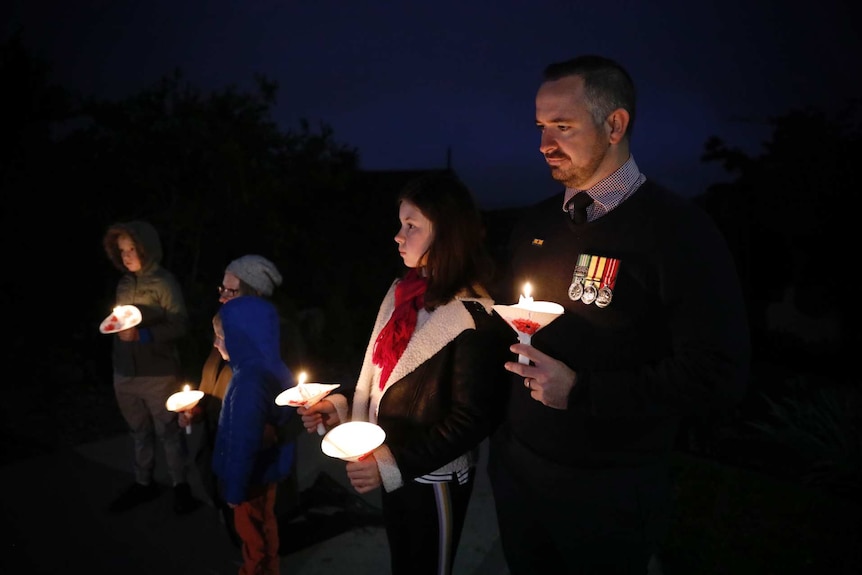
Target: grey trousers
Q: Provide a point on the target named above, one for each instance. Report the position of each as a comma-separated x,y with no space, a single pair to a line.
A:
142,403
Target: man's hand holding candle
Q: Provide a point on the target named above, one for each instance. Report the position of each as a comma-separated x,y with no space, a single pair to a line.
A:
548,380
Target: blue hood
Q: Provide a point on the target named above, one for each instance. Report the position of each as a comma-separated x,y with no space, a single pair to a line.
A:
251,329
247,451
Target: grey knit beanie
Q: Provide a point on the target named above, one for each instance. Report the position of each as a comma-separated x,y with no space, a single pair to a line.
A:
256,271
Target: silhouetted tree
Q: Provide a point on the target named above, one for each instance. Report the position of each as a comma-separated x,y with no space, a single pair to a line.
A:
199,166
31,107
789,218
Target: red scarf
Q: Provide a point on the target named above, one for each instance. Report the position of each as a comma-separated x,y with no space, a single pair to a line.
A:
393,338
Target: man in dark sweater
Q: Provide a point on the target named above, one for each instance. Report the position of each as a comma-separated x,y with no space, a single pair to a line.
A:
654,329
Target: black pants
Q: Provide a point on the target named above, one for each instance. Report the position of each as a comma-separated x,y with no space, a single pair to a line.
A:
424,524
566,521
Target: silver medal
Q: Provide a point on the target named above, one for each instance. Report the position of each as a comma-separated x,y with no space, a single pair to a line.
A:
575,290
604,296
590,293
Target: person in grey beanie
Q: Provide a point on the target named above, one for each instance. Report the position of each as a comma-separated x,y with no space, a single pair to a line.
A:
256,272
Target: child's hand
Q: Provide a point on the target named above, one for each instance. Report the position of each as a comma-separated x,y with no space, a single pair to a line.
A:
321,412
364,474
130,334
184,418
190,416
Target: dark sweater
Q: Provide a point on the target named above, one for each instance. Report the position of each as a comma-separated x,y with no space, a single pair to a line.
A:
672,342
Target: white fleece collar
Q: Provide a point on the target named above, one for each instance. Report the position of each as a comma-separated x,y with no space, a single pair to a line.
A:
443,326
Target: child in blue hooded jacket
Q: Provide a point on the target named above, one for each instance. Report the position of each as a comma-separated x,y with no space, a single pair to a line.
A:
249,457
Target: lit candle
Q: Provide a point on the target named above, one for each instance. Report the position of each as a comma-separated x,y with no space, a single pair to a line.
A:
307,397
188,400
525,298
528,317
303,392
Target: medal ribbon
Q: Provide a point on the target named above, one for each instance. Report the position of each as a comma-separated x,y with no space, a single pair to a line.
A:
581,267
609,277
597,269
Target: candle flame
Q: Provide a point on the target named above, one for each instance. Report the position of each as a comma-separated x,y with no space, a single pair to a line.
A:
186,388
302,377
527,289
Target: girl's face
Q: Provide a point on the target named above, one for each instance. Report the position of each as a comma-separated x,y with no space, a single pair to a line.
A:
415,236
129,253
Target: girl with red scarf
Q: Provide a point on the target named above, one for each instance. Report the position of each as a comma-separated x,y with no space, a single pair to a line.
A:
428,379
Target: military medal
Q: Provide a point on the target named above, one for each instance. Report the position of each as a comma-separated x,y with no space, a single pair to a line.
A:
577,287
609,280
591,285
603,298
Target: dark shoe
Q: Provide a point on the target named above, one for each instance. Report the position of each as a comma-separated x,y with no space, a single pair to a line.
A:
183,500
134,496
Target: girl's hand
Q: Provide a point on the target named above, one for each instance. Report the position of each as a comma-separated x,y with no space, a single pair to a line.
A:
321,412
364,474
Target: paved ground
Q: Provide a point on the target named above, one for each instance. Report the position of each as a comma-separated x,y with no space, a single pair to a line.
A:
53,520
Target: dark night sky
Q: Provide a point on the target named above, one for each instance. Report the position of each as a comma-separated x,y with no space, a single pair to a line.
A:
403,81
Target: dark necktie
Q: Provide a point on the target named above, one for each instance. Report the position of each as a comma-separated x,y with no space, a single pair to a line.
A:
577,207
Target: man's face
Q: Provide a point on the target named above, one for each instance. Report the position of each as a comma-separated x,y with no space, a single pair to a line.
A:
575,148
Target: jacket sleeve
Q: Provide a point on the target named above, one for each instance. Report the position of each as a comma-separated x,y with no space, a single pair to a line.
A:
172,323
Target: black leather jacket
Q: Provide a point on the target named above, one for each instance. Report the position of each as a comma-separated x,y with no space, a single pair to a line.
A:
445,394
